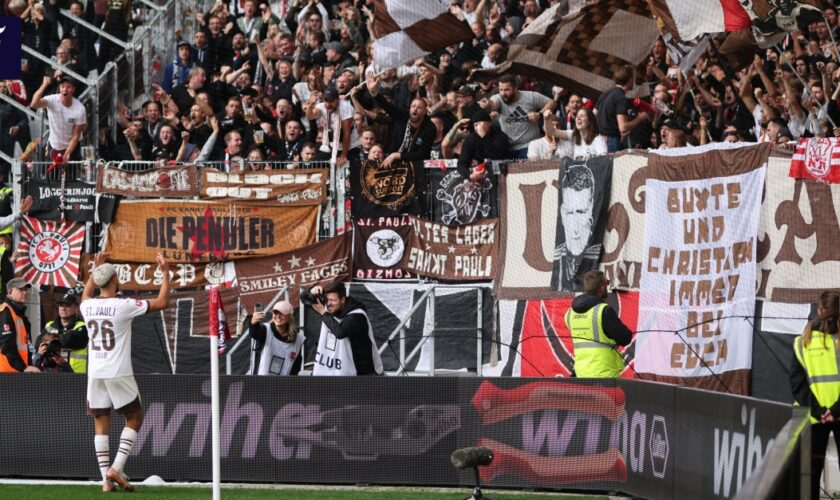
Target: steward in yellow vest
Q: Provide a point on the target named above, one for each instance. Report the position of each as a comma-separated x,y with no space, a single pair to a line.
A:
71,331
815,380
596,330
15,355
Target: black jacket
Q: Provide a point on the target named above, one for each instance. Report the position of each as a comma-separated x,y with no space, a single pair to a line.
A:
613,327
421,146
493,146
355,328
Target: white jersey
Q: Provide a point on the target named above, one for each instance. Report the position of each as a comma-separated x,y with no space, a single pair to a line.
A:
62,119
278,357
108,323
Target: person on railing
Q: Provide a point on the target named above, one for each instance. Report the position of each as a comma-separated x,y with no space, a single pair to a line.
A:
484,142
278,342
334,116
66,117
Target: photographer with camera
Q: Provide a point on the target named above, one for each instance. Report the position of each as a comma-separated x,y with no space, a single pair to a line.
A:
346,345
71,332
48,358
279,340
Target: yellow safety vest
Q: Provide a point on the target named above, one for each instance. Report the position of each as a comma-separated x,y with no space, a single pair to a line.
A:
22,341
6,191
595,353
821,360
78,357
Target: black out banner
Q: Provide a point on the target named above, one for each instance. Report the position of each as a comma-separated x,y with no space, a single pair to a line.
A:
454,201
380,248
77,200
646,440
385,191
583,202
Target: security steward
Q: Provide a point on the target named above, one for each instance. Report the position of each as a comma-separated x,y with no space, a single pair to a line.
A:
815,380
15,355
596,330
71,331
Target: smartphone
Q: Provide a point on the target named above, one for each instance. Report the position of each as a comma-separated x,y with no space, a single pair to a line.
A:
258,307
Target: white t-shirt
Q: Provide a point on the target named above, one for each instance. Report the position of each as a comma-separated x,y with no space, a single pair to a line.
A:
62,119
596,148
108,323
345,111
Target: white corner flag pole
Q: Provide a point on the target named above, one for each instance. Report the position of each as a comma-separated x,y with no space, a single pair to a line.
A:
214,411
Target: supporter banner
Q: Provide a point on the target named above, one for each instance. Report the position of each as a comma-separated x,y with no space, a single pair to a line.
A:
776,17
625,230
207,231
816,158
578,49
599,435
148,276
380,191
161,182
584,192
292,188
798,235
698,273
76,201
49,252
457,253
381,248
535,340
528,224
456,202
321,263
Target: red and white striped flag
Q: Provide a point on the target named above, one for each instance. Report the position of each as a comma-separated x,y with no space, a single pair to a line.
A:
218,319
408,29
816,158
689,19
49,252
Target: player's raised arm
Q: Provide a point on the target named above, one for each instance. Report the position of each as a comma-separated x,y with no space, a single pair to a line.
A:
159,303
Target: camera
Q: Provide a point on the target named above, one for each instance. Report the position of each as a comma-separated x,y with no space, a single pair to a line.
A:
53,348
308,298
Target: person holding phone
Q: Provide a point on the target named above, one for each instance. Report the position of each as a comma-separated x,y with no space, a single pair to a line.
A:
277,343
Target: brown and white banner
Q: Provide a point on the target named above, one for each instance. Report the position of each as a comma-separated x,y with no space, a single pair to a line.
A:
292,188
148,276
380,248
197,231
458,253
699,267
528,229
168,182
322,263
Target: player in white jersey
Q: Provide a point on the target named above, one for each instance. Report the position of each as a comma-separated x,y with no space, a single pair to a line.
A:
111,381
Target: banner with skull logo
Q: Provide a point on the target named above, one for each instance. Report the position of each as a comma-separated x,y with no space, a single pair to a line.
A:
380,248
455,201
49,252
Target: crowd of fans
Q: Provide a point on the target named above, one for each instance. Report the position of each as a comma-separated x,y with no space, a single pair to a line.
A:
271,81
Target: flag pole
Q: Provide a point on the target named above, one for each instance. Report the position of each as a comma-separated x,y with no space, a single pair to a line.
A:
214,411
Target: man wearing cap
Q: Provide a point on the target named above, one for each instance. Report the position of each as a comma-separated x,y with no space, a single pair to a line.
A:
66,117
334,115
277,353
15,355
485,142
111,381
177,72
336,55
70,329
467,106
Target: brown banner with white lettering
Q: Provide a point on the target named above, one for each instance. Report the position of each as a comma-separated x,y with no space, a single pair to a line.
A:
457,253
169,182
199,231
324,262
292,188
380,248
147,276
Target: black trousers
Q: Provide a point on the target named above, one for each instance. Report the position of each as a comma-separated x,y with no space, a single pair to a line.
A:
819,443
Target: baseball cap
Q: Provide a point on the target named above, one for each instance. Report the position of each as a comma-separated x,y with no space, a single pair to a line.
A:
466,90
68,298
283,308
330,93
18,283
183,43
481,116
103,274
67,79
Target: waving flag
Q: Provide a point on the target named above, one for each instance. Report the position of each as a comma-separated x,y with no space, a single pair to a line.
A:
49,252
408,29
687,20
817,159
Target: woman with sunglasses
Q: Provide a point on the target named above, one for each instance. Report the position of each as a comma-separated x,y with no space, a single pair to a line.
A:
277,342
